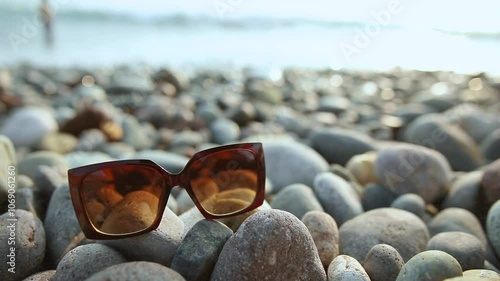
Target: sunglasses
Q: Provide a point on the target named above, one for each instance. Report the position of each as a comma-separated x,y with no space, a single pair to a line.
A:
125,198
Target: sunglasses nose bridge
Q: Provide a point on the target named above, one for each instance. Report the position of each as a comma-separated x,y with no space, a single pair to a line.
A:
175,179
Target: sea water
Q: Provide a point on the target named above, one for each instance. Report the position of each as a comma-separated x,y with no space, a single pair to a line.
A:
368,35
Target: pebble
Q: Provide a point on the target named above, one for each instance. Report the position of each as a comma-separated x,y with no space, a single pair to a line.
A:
224,131
456,219
346,268
61,224
410,202
297,199
184,201
407,168
264,90
466,248
490,183
458,147
157,246
477,275
118,150
28,125
362,167
81,158
489,147
135,135
196,256
383,263
465,187
83,261
29,165
340,145
29,247
430,266
325,233
376,196
58,142
7,158
47,275
493,227
90,93
171,162
337,197
282,171
401,229
25,200
133,271
270,245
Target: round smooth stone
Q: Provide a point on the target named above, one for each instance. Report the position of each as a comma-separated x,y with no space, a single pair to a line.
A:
196,256
23,244
466,248
132,271
297,199
83,261
346,268
493,227
477,275
383,263
325,233
401,229
270,245
408,168
430,266
410,202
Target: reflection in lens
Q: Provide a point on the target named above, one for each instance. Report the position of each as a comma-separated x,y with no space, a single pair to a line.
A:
225,182
122,199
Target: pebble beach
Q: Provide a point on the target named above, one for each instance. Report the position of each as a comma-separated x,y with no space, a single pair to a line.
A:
375,176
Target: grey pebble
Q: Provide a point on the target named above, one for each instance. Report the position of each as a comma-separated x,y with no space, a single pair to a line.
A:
400,229
270,245
346,268
339,145
7,158
477,275
282,171
297,199
325,233
61,224
376,196
430,266
493,227
27,125
466,248
27,237
490,145
408,168
157,246
47,275
456,219
337,197
383,263
224,131
410,202
171,162
134,134
29,165
83,261
133,271
196,256
463,189
490,183
458,147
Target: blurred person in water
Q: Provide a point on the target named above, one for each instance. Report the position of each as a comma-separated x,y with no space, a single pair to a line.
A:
46,16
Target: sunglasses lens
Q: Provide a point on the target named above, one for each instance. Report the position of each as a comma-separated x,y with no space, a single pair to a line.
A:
225,182
122,199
